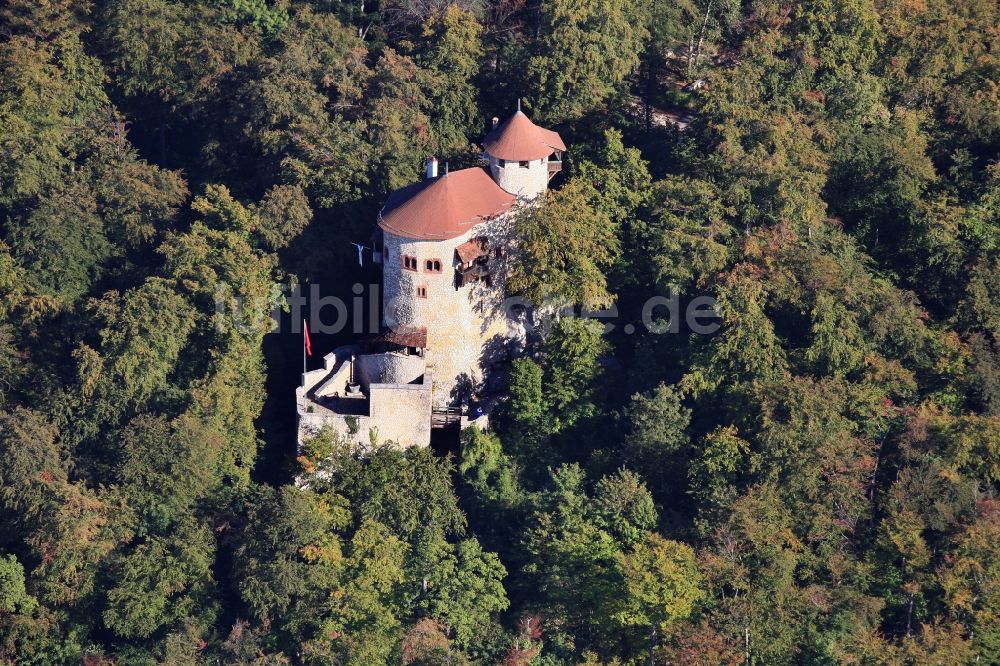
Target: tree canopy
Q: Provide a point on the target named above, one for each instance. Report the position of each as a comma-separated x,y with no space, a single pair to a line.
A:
813,479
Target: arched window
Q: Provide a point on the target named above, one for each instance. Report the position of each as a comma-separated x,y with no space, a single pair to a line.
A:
421,292
409,262
432,266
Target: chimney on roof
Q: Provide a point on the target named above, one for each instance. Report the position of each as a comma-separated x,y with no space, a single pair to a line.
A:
432,167
496,121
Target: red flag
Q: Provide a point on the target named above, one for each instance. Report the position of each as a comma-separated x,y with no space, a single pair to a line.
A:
309,348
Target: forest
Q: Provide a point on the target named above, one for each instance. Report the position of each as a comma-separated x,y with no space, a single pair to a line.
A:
814,483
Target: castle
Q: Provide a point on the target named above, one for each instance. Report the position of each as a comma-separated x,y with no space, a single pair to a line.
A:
442,245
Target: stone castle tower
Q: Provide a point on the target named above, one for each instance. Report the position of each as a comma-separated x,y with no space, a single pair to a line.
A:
442,243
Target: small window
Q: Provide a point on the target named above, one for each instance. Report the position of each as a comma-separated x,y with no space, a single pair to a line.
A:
524,164
502,162
409,263
421,292
432,266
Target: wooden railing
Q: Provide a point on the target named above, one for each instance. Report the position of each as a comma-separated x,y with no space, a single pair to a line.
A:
441,418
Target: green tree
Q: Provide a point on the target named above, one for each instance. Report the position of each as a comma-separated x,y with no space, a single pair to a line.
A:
624,508
617,180
687,233
722,460
748,348
179,54
61,523
288,559
529,422
298,109
526,402
662,585
571,561
487,469
463,590
165,469
365,625
13,597
453,51
51,100
31,456
397,120
162,582
570,360
62,242
656,440
583,52
563,248
284,212
143,334
971,581
409,492
838,343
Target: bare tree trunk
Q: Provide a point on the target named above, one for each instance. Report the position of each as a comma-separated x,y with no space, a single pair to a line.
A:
647,103
690,55
878,460
701,37
909,614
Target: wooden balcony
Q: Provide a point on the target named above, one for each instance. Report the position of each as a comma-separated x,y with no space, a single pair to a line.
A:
478,272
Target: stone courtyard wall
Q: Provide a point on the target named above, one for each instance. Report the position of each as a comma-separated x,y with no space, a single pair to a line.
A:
391,368
402,413
394,408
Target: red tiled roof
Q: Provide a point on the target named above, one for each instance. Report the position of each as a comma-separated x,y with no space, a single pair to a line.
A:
517,138
471,250
443,207
405,336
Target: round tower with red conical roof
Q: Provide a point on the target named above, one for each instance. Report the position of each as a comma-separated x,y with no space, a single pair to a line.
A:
522,155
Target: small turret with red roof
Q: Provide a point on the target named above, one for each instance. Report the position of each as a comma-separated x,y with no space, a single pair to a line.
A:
523,156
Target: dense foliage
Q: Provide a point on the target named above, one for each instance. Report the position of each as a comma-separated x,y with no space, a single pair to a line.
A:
815,482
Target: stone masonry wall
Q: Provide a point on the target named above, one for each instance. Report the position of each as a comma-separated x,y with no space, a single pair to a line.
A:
464,325
526,183
401,413
334,375
312,423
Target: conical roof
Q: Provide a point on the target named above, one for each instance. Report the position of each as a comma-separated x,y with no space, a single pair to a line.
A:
517,138
443,207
